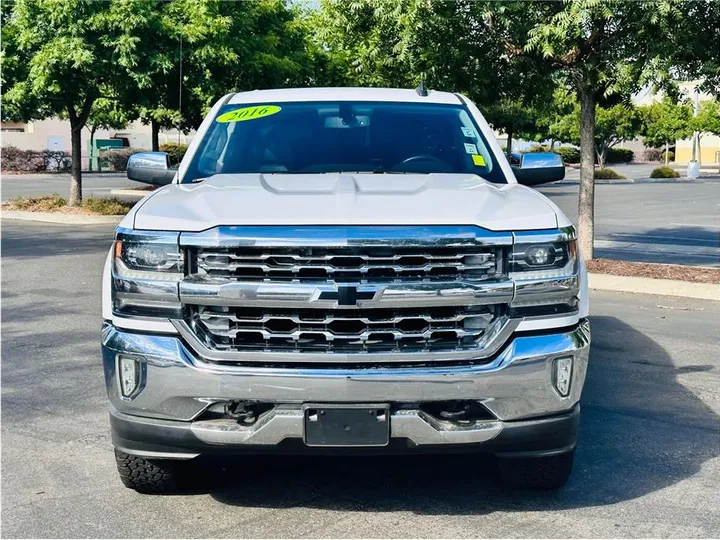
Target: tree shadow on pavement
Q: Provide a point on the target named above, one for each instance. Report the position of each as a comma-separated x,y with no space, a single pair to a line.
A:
681,235
680,245
34,239
641,431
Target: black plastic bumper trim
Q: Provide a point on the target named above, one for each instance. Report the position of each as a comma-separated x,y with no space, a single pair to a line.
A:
172,439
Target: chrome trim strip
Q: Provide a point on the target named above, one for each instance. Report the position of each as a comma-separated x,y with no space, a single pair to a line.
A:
540,291
208,291
495,337
332,236
543,236
163,237
282,423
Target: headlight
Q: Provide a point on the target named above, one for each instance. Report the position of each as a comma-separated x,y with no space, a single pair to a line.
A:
544,267
158,258
544,259
147,268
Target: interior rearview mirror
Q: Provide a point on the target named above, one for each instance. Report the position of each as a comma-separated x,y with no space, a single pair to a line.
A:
537,168
150,168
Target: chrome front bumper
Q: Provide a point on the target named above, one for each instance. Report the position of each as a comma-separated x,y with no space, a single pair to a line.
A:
177,386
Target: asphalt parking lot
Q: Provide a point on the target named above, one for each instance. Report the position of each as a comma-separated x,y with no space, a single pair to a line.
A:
664,223
648,463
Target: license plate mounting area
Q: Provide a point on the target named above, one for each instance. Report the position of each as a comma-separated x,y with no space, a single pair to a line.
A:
347,425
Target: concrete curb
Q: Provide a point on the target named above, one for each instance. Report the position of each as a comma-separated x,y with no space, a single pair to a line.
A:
133,193
56,217
701,180
663,287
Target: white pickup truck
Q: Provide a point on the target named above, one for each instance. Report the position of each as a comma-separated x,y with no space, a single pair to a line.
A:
344,270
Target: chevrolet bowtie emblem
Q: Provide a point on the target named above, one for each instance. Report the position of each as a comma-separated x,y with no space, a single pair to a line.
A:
347,295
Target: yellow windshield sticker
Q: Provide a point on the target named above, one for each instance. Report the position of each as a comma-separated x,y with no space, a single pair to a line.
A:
478,160
249,113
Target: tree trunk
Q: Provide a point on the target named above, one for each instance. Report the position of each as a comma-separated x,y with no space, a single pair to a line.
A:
92,149
552,145
586,203
155,135
508,148
667,149
601,155
699,150
75,163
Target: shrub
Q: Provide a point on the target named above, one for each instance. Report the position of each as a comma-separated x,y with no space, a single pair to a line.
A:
117,159
652,154
664,172
607,174
619,155
58,161
538,148
671,156
175,152
22,161
34,161
570,154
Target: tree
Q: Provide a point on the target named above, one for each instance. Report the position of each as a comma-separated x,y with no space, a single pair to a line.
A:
692,49
63,56
373,42
708,118
512,117
106,114
596,47
449,44
198,50
664,122
621,122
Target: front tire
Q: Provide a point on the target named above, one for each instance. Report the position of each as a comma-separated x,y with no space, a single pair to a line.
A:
550,472
147,475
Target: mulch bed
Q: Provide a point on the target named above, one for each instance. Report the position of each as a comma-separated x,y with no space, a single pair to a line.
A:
656,271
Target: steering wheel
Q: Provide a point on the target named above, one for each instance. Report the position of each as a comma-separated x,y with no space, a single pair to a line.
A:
422,157
443,166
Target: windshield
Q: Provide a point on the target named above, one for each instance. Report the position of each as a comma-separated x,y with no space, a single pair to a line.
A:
367,137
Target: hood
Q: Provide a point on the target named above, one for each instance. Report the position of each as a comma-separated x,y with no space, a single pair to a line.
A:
344,199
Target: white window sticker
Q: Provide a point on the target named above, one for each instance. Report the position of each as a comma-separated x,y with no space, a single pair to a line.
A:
471,148
469,132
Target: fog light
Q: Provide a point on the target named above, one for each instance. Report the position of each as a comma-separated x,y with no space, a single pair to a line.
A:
562,373
129,375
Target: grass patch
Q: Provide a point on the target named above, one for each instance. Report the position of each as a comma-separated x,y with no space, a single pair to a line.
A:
48,203
96,206
664,172
106,207
608,174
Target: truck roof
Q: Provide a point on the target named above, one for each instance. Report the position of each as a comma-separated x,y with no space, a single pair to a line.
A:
343,94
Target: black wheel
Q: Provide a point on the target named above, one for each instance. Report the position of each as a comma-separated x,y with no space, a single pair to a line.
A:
551,472
147,475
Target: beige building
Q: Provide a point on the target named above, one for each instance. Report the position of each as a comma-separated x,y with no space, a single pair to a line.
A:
54,134
709,150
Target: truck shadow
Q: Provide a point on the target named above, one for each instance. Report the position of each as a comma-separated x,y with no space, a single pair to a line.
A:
641,431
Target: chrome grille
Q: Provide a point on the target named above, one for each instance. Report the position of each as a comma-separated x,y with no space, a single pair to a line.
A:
350,264
343,331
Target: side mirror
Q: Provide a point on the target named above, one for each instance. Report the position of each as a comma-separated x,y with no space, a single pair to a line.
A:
150,168
537,168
